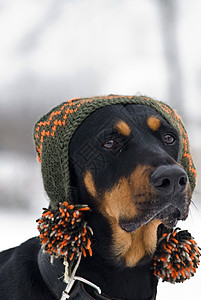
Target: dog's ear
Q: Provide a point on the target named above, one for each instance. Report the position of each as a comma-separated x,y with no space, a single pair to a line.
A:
78,189
74,188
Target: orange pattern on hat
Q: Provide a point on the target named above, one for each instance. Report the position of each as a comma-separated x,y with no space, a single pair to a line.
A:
58,122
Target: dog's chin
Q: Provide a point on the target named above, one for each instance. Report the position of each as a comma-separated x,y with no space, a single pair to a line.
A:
128,226
168,217
169,222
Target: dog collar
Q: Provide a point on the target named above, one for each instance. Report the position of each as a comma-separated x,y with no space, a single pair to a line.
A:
53,275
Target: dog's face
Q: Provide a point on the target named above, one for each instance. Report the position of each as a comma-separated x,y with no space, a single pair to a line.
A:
125,166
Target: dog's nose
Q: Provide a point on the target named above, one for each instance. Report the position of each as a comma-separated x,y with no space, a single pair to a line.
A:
169,179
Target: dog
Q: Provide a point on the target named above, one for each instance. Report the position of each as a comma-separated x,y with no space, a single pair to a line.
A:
125,165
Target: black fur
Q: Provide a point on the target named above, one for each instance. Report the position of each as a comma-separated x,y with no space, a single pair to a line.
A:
20,277
19,273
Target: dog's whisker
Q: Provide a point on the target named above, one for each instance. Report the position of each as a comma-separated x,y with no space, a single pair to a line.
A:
197,193
196,208
194,205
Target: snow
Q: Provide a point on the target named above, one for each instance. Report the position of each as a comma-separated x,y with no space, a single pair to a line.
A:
17,227
81,48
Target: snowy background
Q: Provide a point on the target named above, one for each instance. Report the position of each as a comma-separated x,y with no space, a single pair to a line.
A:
51,51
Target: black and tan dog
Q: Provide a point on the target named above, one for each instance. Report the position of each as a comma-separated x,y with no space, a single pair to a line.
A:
124,163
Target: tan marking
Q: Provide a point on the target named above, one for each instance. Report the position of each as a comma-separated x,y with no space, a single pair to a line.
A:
89,183
118,201
135,245
123,128
140,183
121,202
143,242
154,123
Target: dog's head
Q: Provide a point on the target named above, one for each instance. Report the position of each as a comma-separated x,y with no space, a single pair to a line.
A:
125,164
126,157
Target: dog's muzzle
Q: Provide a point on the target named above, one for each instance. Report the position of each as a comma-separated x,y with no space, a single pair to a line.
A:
171,202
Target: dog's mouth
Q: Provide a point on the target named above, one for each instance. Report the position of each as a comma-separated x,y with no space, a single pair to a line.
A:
168,216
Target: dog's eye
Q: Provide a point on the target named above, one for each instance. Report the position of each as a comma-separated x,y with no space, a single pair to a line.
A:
169,139
110,144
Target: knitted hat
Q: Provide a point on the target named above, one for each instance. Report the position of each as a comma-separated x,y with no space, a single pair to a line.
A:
63,231
54,131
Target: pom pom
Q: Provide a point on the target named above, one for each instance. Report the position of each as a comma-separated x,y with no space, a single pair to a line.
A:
176,257
64,233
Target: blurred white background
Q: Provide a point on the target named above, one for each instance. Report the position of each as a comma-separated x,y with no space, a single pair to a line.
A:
51,51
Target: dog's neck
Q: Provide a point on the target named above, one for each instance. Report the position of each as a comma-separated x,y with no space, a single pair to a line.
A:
114,279
115,284
129,283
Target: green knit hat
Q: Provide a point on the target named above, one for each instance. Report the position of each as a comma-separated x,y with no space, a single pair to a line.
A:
54,131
